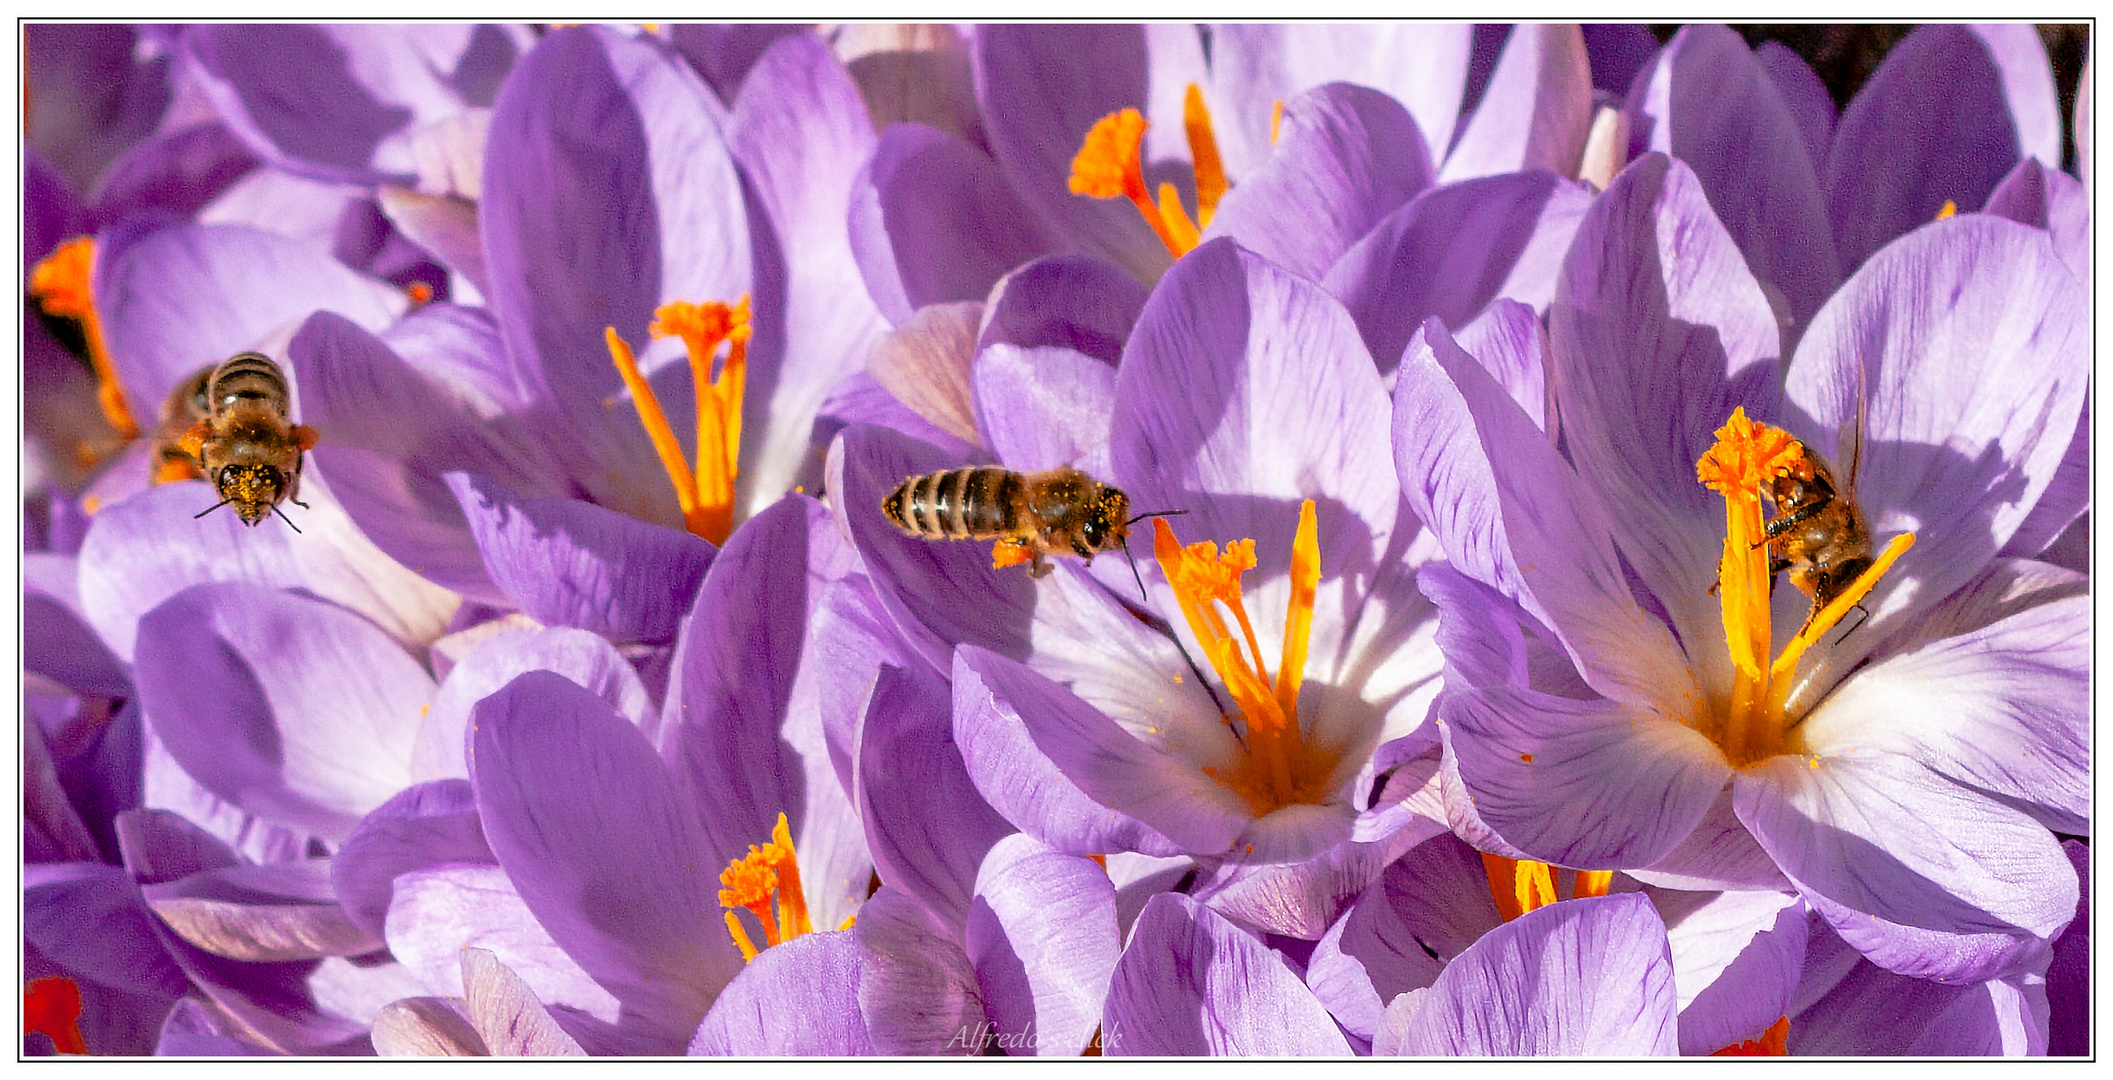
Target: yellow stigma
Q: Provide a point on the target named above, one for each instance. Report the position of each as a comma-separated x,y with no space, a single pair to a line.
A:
1110,164
707,493
766,873
1521,885
1279,768
62,286
1746,458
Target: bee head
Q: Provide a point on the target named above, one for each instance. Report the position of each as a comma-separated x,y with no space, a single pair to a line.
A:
251,489
1106,523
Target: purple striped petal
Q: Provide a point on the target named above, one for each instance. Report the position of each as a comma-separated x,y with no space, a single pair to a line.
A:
1043,408
570,563
1071,301
800,134
1711,104
177,298
1452,250
924,363
586,659
1070,777
1657,334
1965,344
1579,978
2069,973
724,53
506,1014
608,191
1190,983
2052,200
426,825
1720,854
798,999
916,989
1422,65
1736,961
1346,157
1873,1012
1947,113
246,688
1043,87
928,828
425,1026
1043,939
1945,883
933,220
1427,908
1534,113
1811,106
594,834
1618,51
286,911
179,171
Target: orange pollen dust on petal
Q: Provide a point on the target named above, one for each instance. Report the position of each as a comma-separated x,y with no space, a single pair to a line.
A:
766,874
62,286
707,492
1280,768
1110,165
1746,459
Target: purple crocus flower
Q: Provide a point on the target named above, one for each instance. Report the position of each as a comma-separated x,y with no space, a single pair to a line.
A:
1591,702
1040,672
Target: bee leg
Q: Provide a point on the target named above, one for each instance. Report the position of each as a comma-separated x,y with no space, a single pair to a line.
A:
1783,524
1038,567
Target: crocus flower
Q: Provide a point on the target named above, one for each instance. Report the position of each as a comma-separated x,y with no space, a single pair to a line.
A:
1063,664
1708,740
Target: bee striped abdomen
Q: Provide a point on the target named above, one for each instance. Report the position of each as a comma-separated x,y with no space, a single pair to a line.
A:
247,377
975,503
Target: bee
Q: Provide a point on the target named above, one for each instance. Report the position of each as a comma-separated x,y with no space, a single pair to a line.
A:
1819,532
229,425
1059,512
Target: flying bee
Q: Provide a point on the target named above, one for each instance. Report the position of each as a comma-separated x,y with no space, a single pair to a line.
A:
229,423
1059,512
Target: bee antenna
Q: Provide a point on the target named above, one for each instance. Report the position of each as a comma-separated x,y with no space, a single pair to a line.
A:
210,509
1141,594
1153,514
282,517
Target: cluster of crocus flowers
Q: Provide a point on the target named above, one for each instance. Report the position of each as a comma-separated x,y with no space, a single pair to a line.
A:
1613,584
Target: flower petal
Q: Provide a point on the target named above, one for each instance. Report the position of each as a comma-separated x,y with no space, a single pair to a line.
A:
1618,51
1947,113
933,220
608,191
177,298
593,833
1072,301
798,999
1581,783
924,362
1655,289
1191,983
586,659
1963,347
1043,87
1586,977
1043,939
1427,907
2069,973
506,1014
928,828
246,688
1921,876
724,54
570,563
916,989
1045,407
1346,157
424,825
1872,1012
1811,106
1711,103
1534,113
1068,776
285,911
425,1027
800,134
1736,959
1422,65
1453,249
179,171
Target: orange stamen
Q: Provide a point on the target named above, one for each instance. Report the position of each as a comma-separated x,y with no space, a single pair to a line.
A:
1775,1042
767,873
62,286
1278,770
707,493
52,1006
1203,150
